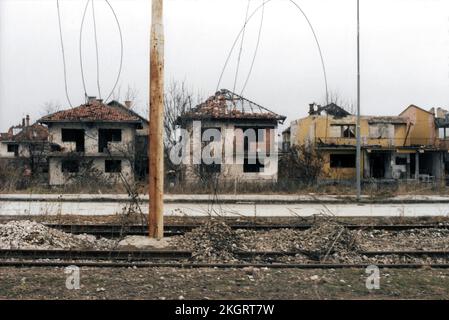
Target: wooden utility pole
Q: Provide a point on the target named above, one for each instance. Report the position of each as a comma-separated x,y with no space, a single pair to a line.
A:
358,144
156,139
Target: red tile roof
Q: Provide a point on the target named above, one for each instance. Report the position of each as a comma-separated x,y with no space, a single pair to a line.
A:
228,105
33,133
91,112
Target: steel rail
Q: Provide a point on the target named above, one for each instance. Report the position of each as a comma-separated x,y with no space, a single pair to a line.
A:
94,254
218,265
132,255
179,229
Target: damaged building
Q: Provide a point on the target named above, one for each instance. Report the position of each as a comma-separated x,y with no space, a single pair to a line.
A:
233,116
403,147
93,137
25,146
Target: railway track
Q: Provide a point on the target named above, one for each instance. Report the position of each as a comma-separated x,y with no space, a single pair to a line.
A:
109,230
183,259
102,264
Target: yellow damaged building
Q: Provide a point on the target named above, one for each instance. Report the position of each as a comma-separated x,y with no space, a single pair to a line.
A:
406,146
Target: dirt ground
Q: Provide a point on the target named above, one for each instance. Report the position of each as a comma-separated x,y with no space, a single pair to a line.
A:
169,283
117,219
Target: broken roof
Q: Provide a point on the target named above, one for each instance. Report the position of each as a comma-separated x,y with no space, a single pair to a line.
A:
332,109
94,111
226,105
33,133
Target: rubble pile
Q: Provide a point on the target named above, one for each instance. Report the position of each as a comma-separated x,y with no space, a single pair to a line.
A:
27,234
328,239
213,241
412,239
325,241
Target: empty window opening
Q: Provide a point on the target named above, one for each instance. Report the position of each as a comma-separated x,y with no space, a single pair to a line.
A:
13,148
252,167
342,160
213,136
74,135
70,166
401,161
113,166
346,131
378,164
108,135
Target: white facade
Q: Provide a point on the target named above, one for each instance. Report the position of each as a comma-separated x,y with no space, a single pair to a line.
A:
121,152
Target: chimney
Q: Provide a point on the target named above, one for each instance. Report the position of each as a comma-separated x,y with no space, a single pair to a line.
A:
311,108
28,120
128,104
23,122
91,99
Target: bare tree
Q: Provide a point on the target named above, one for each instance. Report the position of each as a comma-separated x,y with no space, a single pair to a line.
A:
50,107
130,94
301,165
178,100
336,97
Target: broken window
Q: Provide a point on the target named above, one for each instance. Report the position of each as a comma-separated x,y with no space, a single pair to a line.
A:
13,148
252,167
70,166
211,135
108,135
342,160
344,131
74,135
256,142
401,161
113,166
381,131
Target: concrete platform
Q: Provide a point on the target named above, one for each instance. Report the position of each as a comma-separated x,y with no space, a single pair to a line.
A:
225,198
75,207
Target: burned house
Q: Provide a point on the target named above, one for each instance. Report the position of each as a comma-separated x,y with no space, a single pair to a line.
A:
403,147
244,139
141,139
25,146
93,137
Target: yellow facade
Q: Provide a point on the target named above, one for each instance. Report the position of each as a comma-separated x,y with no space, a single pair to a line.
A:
389,136
423,131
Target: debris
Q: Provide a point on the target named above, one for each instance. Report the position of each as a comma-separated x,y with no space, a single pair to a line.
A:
27,234
213,241
143,242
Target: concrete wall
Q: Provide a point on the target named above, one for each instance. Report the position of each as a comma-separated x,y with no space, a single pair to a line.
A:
423,131
23,151
231,170
91,136
57,177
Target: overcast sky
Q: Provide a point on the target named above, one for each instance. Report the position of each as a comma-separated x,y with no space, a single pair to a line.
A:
404,52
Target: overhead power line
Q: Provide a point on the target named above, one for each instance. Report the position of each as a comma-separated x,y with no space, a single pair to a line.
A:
80,49
311,28
121,50
96,49
241,47
63,55
256,49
